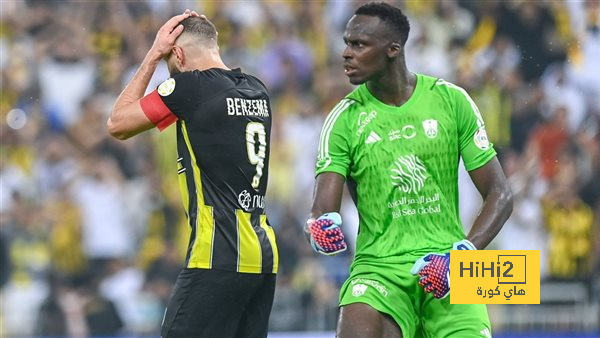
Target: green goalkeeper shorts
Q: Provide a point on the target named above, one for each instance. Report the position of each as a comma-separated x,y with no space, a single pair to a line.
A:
393,290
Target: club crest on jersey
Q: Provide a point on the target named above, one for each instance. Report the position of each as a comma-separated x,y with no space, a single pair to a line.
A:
167,87
481,139
359,290
431,128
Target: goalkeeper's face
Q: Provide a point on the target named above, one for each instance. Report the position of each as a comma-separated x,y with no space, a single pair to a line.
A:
367,55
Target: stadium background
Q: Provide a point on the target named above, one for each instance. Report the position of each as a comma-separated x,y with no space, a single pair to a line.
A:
92,229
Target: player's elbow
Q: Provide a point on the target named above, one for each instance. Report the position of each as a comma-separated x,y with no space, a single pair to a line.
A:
506,200
116,131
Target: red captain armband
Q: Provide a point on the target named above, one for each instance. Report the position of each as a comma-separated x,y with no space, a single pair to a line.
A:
156,111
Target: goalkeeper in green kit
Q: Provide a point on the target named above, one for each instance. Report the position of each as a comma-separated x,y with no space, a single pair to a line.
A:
396,140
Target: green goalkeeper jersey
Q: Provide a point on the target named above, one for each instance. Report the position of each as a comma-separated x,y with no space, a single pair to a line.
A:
403,162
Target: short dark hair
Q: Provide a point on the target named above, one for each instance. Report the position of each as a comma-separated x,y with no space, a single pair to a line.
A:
200,27
389,14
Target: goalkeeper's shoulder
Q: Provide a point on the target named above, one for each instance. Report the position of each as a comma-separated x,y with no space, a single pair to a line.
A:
343,107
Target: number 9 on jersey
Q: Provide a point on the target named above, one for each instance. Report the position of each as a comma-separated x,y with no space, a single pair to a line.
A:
256,158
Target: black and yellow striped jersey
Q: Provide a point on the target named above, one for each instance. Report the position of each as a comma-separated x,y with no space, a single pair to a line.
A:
223,132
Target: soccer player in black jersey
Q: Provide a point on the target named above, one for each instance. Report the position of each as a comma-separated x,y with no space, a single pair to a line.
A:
223,120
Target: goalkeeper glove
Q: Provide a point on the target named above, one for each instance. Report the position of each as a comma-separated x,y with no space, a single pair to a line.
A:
434,270
325,235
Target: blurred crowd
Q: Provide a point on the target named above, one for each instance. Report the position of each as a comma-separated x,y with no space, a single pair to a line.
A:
92,229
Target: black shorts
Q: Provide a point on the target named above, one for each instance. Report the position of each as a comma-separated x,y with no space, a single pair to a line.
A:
219,304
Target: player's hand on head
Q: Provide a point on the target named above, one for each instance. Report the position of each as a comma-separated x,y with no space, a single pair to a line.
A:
434,270
169,32
325,235
194,13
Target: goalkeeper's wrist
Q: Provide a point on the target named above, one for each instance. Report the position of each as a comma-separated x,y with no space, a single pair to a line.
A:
464,244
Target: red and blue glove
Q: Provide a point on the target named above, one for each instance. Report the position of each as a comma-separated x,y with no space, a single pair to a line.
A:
434,270
325,234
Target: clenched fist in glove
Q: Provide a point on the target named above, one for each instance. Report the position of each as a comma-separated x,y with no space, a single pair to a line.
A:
325,234
434,270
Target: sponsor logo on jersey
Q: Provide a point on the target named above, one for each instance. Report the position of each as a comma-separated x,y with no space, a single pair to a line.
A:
486,333
481,139
167,87
248,201
409,174
373,138
407,132
359,290
430,128
364,119
375,284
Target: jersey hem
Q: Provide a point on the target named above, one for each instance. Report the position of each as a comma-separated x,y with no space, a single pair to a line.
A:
253,269
487,159
331,170
383,310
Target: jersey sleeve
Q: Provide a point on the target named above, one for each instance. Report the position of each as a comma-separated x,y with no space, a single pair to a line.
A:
334,146
170,101
475,148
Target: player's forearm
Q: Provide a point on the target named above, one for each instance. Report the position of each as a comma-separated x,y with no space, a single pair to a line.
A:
136,88
328,194
496,209
319,209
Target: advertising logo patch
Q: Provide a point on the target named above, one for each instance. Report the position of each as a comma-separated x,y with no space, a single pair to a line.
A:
167,87
495,276
481,139
364,119
409,174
